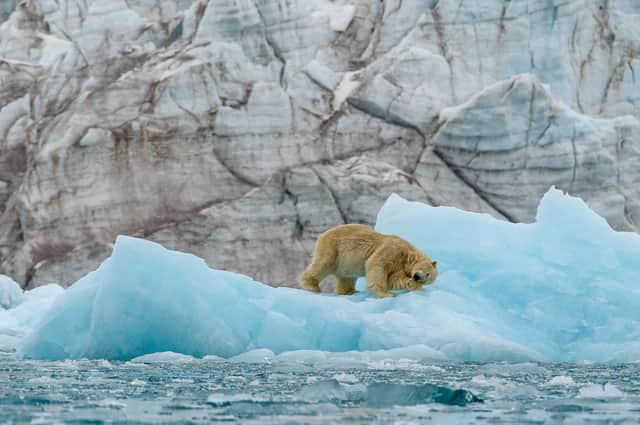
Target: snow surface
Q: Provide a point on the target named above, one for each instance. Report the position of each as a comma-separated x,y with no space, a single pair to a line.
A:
565,288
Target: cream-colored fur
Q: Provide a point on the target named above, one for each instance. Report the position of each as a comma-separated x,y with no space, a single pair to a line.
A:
353,250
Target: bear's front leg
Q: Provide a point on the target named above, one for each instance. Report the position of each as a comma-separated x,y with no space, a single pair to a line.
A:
377,280
345,285
399,280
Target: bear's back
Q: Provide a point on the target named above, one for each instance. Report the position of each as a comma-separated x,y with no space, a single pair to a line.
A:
351,244
352,231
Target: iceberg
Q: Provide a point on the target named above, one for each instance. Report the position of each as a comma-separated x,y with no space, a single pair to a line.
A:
564,288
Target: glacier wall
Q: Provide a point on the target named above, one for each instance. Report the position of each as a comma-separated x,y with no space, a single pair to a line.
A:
565,288
227,128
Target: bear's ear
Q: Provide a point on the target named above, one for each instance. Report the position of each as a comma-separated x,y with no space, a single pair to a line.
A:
434,263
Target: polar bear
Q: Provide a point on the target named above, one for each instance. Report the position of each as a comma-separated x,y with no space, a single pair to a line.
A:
352,250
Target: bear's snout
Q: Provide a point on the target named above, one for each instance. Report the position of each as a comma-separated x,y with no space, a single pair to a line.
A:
419,277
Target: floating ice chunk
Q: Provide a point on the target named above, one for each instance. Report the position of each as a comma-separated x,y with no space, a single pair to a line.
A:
234,378
220,399
331,390
307,356
112,403
10,292
600,391
391,359
503,388
346,378
212,358
386,395
164,357
493,381
562,289
514,369
412,352
561,381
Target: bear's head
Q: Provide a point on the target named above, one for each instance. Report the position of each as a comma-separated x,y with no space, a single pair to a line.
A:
423,272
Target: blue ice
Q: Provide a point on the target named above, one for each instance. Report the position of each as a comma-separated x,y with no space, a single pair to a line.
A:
565,288
10,293
22,311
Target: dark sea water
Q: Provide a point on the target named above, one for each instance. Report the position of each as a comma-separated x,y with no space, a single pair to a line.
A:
402,392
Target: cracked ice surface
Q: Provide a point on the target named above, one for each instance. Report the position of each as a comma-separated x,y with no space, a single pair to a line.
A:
564,288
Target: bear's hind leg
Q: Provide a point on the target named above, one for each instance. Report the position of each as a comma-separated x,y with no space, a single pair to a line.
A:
322,265
310,278
345,286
